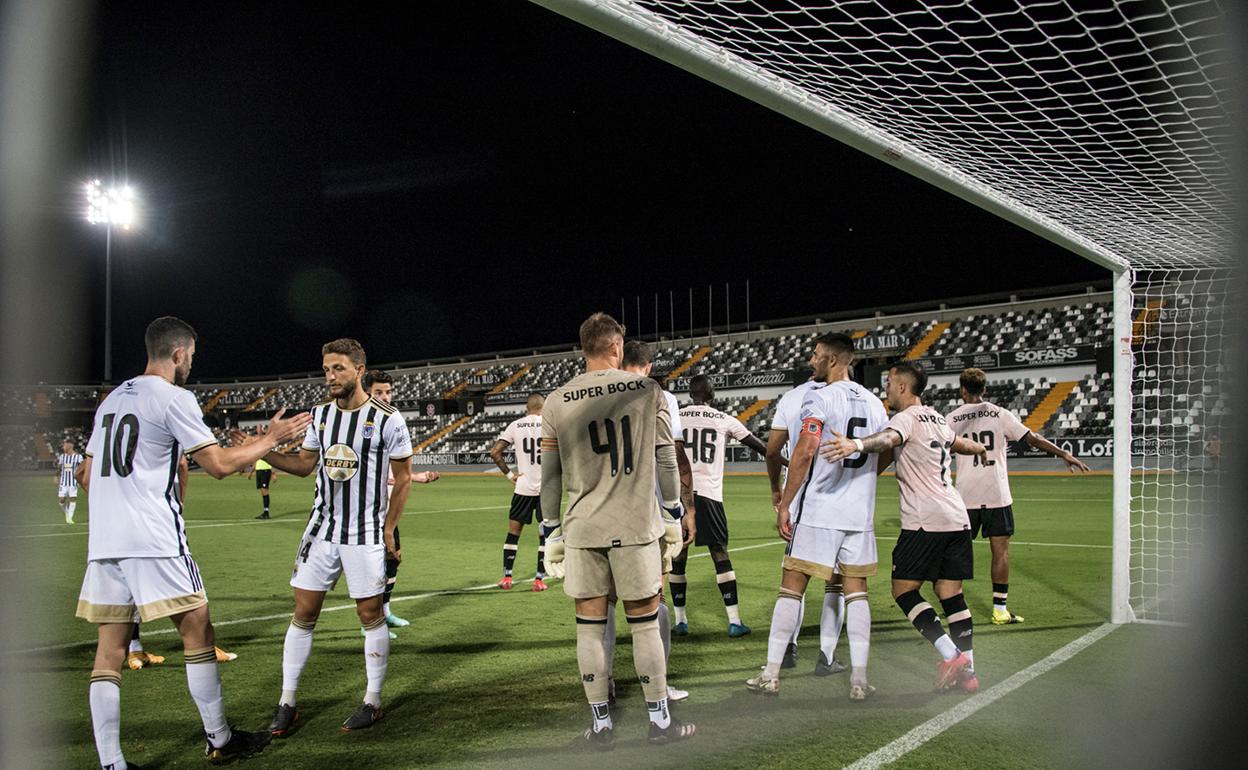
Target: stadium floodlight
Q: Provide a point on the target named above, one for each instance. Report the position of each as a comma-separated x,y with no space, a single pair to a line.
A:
111,207
1103,126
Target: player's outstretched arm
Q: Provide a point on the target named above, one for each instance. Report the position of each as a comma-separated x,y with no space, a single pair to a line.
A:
1043,444
221,461
964,446
839,447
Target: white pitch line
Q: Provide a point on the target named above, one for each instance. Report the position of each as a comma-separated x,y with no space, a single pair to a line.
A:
938,724
191,524
338,608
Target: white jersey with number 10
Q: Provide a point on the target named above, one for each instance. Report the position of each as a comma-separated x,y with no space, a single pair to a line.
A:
141,431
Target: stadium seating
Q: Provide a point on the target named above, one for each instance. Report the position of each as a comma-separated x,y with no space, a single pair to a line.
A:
1192,412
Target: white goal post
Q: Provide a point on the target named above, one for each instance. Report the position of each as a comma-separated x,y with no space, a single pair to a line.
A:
1101,125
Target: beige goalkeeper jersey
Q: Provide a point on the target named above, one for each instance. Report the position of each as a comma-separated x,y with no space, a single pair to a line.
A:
606,426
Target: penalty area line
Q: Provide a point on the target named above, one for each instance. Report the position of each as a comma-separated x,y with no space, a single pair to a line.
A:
936,725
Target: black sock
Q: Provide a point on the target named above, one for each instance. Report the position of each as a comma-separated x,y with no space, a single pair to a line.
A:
676,582
959,619
509,552
921,615
1000,591
727,580
266,503
541,555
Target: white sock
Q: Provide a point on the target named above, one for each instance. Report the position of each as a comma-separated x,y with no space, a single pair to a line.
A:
734,613
608,639
105,698
295,653
385,609
858,629
831,618
659,714
204,682
69,509
783,621
947,649
801,616
602,715
681,613
665,631
971,654
136,645
376,661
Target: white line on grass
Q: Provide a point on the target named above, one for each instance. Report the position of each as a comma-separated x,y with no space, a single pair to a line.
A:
938,724
191,524
337,608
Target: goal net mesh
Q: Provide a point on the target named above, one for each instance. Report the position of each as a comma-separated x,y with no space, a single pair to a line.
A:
1106,121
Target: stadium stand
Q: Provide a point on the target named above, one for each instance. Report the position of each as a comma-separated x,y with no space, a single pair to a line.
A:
1080,399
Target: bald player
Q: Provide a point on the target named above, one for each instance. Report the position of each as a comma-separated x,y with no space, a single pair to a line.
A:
525,434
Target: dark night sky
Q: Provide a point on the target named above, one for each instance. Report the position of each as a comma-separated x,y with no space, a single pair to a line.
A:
452,178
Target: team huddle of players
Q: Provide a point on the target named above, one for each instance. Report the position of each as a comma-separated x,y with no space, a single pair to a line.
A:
643,482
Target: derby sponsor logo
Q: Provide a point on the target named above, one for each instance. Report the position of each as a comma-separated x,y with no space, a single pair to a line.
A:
341,463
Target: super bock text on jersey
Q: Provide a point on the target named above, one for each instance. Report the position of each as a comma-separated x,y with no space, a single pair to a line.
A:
356,447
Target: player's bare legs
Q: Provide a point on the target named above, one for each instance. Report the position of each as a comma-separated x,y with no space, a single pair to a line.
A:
956,647
105,690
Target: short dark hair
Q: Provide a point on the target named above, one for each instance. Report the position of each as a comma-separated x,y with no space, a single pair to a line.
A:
974,380
637,353
914,372
535,399
374,376
165,334
838,342
346,347
701,385
597,332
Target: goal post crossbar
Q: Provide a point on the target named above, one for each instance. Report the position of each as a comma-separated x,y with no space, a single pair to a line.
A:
656,36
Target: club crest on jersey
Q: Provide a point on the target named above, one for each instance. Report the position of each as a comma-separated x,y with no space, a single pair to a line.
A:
369,430
341,463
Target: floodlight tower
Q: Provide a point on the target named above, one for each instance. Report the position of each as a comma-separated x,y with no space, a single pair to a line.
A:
112,207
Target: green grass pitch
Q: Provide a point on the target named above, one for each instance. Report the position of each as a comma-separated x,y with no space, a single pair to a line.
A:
487,678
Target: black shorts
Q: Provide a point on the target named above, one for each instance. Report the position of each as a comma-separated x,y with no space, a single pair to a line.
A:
994,522
712,521
263,478
921,555
523,508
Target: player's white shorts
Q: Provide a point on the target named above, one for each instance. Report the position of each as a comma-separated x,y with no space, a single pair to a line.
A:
71,491
320,563
157,586
820,552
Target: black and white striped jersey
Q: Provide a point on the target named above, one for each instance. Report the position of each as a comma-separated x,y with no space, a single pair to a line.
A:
356,447
68,463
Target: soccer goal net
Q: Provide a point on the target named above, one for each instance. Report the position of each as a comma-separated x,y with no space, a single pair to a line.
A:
1102,125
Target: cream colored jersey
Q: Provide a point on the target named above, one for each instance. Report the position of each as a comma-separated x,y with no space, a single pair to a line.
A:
141,431
985,483
706,435
928,498
606,426
525,436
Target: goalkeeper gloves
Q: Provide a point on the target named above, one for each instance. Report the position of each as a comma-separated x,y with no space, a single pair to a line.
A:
554,549
673,536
